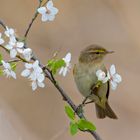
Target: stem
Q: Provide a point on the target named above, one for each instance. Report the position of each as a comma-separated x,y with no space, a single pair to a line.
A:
71,103
11,61
34,18
32,21
50,76
18,56
30,24
2,24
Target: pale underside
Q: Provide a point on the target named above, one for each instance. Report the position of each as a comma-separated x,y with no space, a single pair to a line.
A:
85,78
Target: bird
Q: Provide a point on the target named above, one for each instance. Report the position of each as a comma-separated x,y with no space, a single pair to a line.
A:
90,60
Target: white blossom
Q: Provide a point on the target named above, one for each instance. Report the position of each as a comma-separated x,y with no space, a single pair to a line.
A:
48,12
114,77
8,70
1,39
14,46
9,32
101,76
65,69
35,74
27,53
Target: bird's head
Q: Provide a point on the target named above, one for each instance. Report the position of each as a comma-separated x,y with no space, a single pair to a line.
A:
93,53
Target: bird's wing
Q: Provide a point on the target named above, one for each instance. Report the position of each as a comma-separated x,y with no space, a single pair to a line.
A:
108,89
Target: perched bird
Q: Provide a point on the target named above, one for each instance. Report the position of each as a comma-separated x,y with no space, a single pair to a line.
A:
91,60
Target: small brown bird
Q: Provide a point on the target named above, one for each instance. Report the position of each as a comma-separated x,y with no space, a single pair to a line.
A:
91,60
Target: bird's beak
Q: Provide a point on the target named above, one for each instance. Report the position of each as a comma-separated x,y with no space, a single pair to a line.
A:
109,52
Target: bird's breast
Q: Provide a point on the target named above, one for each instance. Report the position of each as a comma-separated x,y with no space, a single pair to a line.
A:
85,77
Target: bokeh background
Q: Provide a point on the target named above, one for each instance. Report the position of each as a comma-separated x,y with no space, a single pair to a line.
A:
39,115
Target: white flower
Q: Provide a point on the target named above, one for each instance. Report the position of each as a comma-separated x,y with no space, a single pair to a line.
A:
1,39
27,53
14,46
9,32
65,69
48,13
8,70
101,76
114,77
35,74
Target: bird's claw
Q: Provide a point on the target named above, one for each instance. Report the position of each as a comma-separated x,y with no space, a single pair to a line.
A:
79,109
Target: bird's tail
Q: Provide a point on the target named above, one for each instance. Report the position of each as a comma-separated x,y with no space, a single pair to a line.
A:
103,112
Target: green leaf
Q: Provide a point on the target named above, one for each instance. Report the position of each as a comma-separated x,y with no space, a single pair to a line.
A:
13,66
73,128
70,112
85,125
54,65
0,59
59,63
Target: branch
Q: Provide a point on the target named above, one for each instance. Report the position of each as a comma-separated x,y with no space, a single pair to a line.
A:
2,24
33,19
11,61
70,102
50,76
18,56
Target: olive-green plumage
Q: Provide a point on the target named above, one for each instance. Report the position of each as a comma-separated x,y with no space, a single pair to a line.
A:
91,60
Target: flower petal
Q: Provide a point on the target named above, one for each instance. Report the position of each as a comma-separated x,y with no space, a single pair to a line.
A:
25,73
33,76
20,50
34,85
27,53
117,78
105,80
13,53
8,46
50,17
28,66
98,72
1,41
67,58
20,44
36,63
113,85
40,84
6,65
42,10
61,70
44,17
112,70
13,74
40,77
53,10
64,71
49,4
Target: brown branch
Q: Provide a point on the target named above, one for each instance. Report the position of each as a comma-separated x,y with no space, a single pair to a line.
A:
2,24
50,76
18,56
34,18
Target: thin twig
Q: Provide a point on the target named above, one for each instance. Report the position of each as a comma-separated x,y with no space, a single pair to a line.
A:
33,19
12,61
2,24
50,76
18,56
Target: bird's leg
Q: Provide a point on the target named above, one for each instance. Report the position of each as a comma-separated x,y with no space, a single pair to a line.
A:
89,102
84,102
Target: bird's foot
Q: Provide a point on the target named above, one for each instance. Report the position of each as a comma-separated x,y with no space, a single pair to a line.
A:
79,110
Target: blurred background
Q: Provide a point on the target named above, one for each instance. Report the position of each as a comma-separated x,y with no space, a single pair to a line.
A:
39,115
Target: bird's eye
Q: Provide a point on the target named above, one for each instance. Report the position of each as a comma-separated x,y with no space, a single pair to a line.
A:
97,53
